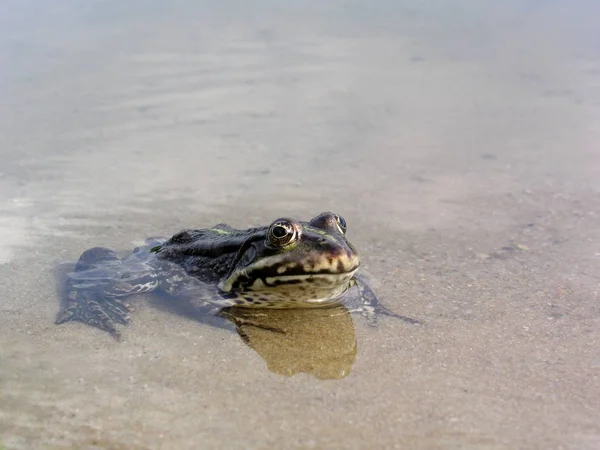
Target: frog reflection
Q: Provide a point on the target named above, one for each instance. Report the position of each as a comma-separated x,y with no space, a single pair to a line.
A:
319,342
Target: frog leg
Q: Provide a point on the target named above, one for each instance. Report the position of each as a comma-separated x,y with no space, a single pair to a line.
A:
100,280
362,299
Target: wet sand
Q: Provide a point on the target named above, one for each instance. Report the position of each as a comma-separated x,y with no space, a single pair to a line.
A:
460,143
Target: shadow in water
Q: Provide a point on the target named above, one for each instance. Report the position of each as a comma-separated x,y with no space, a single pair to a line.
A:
319,342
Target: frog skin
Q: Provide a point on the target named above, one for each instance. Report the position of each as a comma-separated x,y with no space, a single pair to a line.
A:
288,264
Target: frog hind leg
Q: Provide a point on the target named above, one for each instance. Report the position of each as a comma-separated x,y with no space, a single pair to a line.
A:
360,298
96,287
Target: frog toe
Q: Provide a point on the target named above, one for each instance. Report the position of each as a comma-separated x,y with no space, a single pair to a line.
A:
96,310
382,310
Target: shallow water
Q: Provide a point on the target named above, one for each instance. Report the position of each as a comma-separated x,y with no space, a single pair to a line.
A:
460,141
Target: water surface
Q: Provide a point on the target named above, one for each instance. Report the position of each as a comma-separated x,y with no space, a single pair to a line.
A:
459,140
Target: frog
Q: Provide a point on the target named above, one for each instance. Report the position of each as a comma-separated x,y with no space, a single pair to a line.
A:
287,264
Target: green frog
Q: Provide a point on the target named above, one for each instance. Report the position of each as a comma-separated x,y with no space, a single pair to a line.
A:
288,264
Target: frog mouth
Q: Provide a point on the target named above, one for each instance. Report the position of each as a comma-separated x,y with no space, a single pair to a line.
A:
274,280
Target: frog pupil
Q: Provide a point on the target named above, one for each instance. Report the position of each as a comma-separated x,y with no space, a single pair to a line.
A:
279,231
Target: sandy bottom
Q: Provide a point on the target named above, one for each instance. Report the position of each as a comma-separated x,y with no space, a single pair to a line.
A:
460,143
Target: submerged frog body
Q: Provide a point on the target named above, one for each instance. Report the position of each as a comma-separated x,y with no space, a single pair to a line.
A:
288,264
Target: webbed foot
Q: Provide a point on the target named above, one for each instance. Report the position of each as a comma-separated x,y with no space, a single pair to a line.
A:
370,307
97,310
371,312
100,277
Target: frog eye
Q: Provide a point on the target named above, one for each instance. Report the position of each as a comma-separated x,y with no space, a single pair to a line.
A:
281,233
341,223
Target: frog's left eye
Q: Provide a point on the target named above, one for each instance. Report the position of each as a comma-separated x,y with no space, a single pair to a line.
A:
341,223
281,233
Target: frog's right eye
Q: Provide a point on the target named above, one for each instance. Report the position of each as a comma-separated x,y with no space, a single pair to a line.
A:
341,223
281,233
